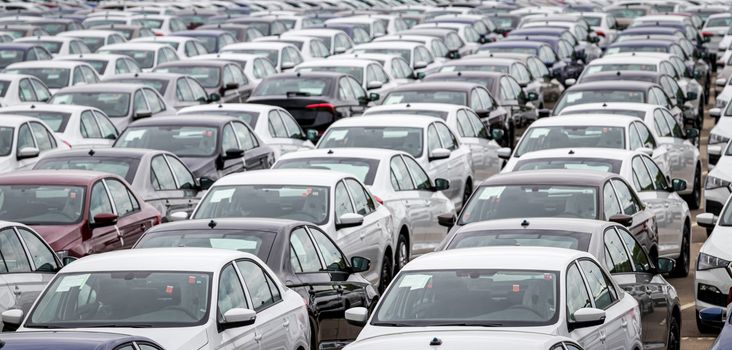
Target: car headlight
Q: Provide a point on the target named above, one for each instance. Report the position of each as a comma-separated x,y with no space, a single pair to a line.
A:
716,138
707,262
714,182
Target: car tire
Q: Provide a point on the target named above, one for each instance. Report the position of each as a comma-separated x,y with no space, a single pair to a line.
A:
704,329
386,273
674,335
402,253
693,199
684,260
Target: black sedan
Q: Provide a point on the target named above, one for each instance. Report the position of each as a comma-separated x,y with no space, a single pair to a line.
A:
315,99
211,146
559,68
223,78
299,253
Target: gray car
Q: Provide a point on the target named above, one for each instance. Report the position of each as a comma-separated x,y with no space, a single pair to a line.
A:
178,90
22,279
218,77
160,178
612,244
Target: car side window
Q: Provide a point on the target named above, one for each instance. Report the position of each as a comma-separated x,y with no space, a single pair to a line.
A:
42,256
485,99
139,103
99,201
78,77
420,177
247,140
659,122
465,129
361,198
293,129
124,201
446,137
577,296
641,178
190,49
88,126
628,202
433,139
616,259
478,126
156,104
659,179
345,92
357,89
127,346
646,137
676,130
12,255
475,103
89,75
44,139
303,256
197,90
181,173
601,288
229,139
635,140
399,175
231,292
342,200
183,91
106,126
260,285
120,67
610,201
638,255
332,256
507,90
25,91
41,91
161,176
276,127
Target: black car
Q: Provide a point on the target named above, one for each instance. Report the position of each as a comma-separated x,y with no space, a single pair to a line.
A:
315,99
223,78
211,146
212,39
16,52
299,253
554,32
559,68
75,340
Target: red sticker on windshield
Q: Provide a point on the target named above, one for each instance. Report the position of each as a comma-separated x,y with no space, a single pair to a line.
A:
548,276
169,290
516,288
191,279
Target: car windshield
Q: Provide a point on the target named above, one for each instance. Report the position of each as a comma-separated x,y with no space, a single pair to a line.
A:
93,42
209,77
499,298
54,78
56,121
593,21
294,85
519,201
123,167
355,72
363,169
644,48
272,55
41,204
144,58
245,116
254,242
570,136
596,164
184,141
427,96
114,104
103,299
157,84
474,68
294,202
430,113
406,54
596,68
148,23
404,139
530,238
173,44
628,12
6,140
10,56
98,65
572,98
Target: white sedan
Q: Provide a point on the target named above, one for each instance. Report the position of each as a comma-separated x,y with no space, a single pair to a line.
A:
17,89
56,74
106,65
713,277
22,140
336,202
534,289
429,140
399,182
182,298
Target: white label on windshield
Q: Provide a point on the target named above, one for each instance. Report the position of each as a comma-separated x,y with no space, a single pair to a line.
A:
233,244
448,69
337,135
394,99
489,192
69,282
571,98
135,134
220,195
415,281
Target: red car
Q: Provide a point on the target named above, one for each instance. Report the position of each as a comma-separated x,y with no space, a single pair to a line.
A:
77,212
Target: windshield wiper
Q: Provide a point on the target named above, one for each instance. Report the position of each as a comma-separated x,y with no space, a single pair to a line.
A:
392,324
119,326
466,324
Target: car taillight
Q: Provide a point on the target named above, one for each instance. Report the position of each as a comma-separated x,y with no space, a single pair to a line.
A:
705,34
600,33
156,220
376,198
157,33
328,106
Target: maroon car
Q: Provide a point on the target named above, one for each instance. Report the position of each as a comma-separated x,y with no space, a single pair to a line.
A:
77,212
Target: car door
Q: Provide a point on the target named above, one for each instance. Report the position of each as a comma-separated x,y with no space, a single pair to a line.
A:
372,232
278,134
604,296
91,134
109,131
684,153
460,169
104,238
440,167
407,201
643,226
255,156
231,295
130,222
229,141
578,297
186,183
296,139
25,91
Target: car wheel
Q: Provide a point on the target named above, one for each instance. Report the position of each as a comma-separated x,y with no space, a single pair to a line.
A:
704,328
674,335
386,273
694,198
402,253
467,191
682,262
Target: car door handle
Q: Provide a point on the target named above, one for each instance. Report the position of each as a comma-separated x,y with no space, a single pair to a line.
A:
362,235
286,324
624,323
603,336
257,337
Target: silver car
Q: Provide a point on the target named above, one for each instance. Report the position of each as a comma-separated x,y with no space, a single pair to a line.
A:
178,90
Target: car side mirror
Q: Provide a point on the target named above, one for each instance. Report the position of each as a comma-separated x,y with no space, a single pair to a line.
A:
360,264
678,185
374,96
104,219
454,54
205,182
214,97
440,153
706,39
646,150
715,112
587,317
142,114
714,150
698,75
349,220
441,184
339,50
238,317
28,152
504,153
570,82
707,220
691,95
418,75
532,96
720,82
692,133
357,316
312,135
447,220
711,316
287,65
111,137
666,265
420,64
12,317
233,153
622,219
374,85
178,216
497,134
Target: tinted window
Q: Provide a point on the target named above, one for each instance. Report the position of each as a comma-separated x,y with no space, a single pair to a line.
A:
616,259
42,256
602,292
160,175
261,287
627,200
303,256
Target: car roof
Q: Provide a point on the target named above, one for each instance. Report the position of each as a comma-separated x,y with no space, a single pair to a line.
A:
253,107
629,58
581,152
18,45
313,31
195,63
441,107
468,74
514,44
258,45
137,153
479,60
388,44
198,119
53,177
305,177
62,39
336,63
390,120
14,120
596,119
549,177
88,32
90,56
642,43
162,39
102,87
258,224
47,108
200,32
617,85
436,85
538,258
332,75
158,259
530,223
134,46
145,76
233,56
349,152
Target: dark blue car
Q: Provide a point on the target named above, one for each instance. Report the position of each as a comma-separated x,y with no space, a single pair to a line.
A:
75,341
712,318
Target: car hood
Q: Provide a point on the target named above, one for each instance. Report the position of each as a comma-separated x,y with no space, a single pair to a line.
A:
184,338
201,166
450,340
378,332
723,127
719,242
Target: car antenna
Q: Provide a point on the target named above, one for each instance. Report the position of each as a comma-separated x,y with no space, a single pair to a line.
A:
91,152
212,224
435,341
604,104
525,223
571,151
618,73
330,151
32,106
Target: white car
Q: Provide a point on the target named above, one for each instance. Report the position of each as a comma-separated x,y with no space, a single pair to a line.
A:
465,32
75,126
653,187
147,55
283,56
182,298
721,133
429,140
336,40
533,289
274,125
336,202
95,38
419,57
56,74
396,67
467,339
713,279
435,45
57,45
684,161
310,47
160,24
21,149
371,75
463,121
604,26
106,65
717,182
415,200
184,46
20,89
255,67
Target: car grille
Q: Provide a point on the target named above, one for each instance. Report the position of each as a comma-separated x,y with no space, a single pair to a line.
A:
714,297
